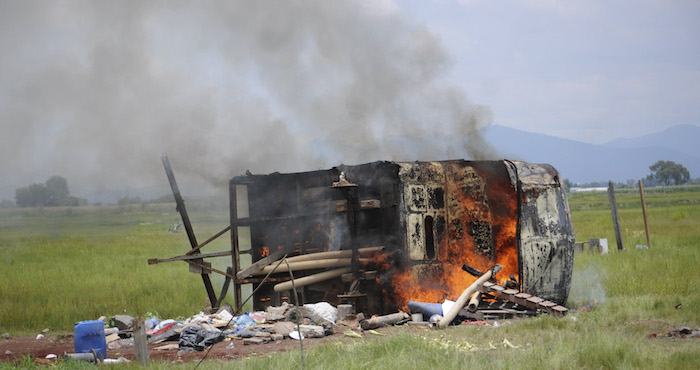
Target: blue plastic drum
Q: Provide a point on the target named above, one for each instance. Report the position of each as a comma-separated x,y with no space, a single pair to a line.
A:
90,335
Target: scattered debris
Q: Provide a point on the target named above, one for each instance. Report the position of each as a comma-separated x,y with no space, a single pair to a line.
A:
684,331
379,321
168,347
120,360
681,331
295,335
248,341
123,322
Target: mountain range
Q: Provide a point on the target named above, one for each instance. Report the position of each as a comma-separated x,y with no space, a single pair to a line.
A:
619,160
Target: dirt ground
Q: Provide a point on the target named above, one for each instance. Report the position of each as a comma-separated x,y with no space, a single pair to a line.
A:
15,349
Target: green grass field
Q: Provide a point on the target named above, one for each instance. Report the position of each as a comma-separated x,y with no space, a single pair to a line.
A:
64,265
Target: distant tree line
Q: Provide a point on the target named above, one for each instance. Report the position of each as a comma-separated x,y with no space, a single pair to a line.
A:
663,173
53,193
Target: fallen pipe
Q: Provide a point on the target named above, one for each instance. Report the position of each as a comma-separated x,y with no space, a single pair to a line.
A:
378,321
331,254
462,300
474,302
312,279
476,272
86,356
309,265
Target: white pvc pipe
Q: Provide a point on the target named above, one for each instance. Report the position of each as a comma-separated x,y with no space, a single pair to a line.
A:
312,279
462,300
347,253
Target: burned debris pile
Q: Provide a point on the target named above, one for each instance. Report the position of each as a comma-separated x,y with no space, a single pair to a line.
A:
387,237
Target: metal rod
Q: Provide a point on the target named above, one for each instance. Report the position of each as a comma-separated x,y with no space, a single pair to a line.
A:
644,212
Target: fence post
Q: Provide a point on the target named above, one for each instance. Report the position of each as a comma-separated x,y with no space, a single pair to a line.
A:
616,219
644,212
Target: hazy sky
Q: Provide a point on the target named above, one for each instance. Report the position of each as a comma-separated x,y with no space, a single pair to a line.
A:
96,91
585,70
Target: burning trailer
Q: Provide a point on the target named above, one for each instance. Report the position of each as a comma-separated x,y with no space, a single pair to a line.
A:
381,234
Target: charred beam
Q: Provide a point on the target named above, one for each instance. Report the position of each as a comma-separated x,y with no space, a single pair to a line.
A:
197,256
476,272
260,264
197,248
186,221
224,289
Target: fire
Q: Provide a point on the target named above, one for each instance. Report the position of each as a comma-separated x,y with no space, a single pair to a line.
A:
445,279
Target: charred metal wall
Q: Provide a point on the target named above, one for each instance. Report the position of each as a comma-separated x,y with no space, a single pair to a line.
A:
424,212
303,213
546,231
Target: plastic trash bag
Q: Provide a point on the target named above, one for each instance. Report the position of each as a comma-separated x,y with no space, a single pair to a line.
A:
194,338
321,313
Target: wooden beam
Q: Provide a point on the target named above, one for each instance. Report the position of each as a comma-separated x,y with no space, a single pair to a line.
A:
197,248
154,261
260,264
615,217
186,221
644,212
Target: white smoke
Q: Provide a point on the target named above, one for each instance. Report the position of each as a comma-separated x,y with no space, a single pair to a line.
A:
587,287
97,91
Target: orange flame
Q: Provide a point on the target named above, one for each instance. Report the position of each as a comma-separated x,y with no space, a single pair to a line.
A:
446,279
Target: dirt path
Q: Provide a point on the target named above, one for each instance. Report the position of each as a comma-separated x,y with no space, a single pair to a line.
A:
15,349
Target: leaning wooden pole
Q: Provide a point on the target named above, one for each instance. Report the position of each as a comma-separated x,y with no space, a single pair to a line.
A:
462,300
644,212
180,203
615,217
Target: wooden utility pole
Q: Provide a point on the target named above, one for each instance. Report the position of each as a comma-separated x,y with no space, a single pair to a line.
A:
616,219
644,212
